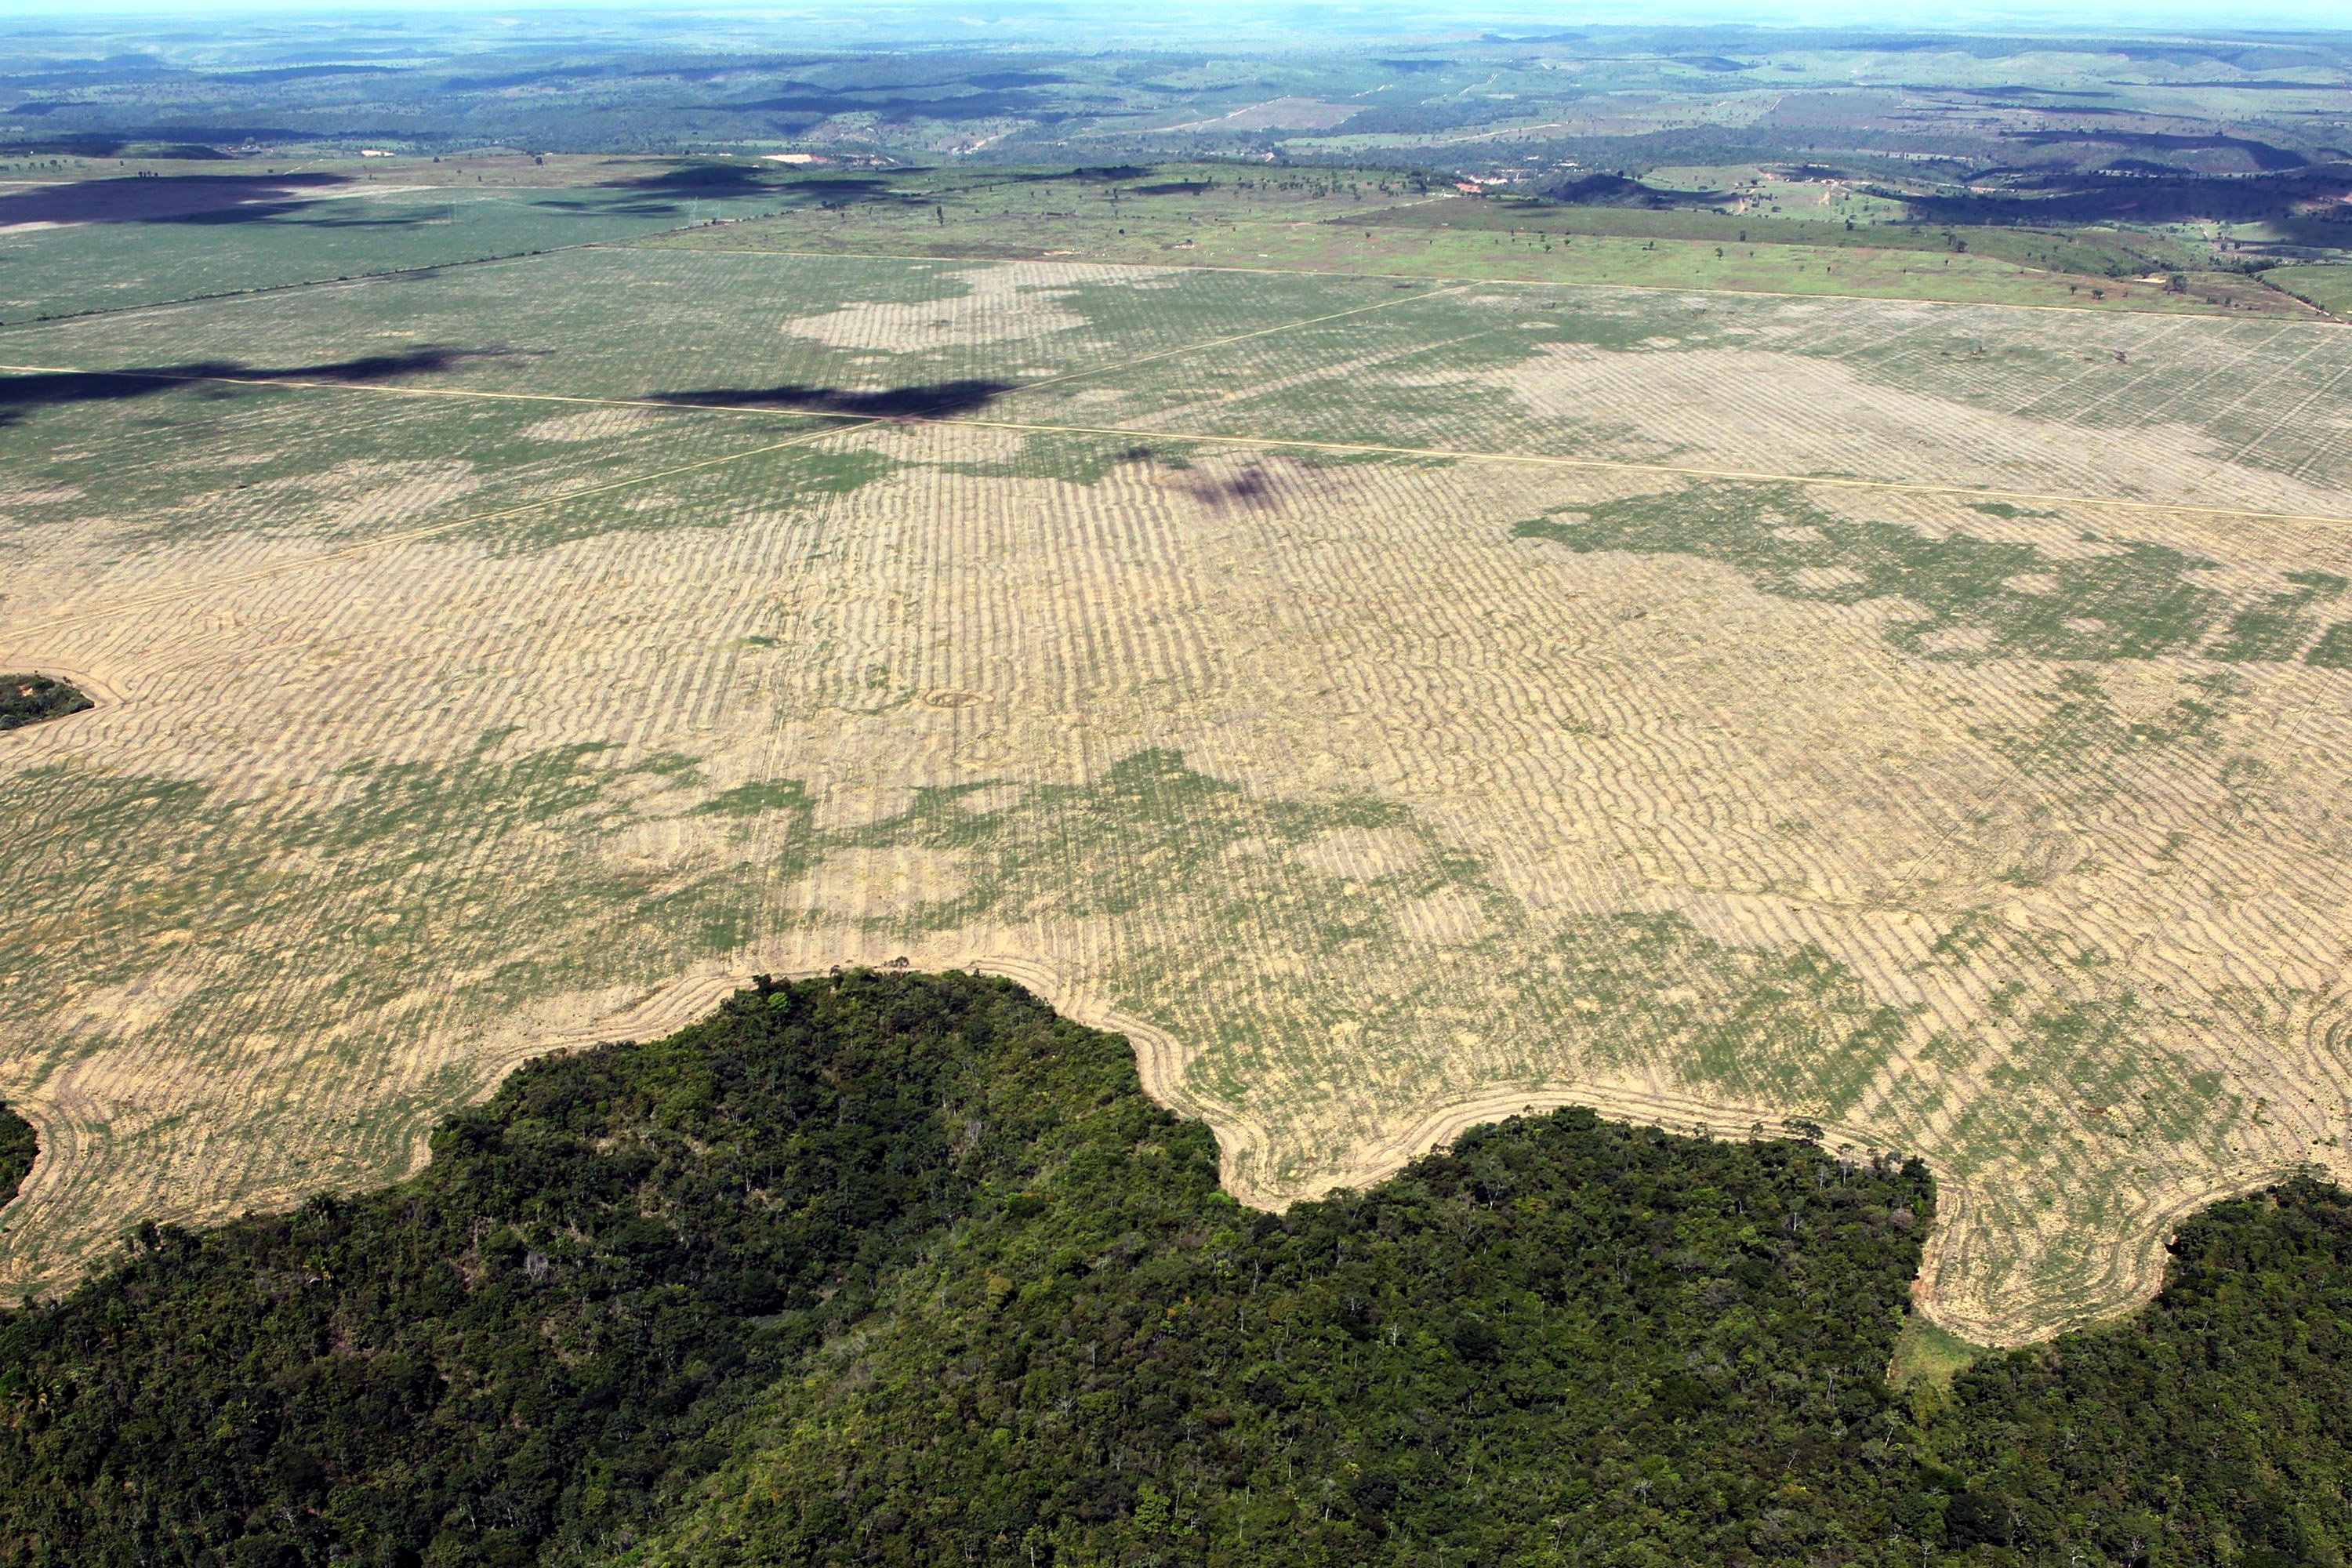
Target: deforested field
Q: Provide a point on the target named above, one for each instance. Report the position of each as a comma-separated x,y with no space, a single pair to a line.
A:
1393,703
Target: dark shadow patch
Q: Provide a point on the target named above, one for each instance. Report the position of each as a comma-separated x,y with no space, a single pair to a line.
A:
300,213
1245,487
2269,159
55,388
1617,191
938,399
170,198
645,192
620,207
2175,195
851,190
696,177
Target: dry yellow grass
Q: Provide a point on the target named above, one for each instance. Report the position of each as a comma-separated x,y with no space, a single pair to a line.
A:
1365,818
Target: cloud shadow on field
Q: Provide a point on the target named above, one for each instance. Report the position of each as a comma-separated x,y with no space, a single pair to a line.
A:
177,198
660,194
21,394
1247,487
938,399
696,177
609,208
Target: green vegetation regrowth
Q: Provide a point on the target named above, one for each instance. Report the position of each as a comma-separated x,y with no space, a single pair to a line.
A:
1969,597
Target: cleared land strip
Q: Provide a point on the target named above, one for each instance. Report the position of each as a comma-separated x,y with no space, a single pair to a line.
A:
1687,470
654,242
409,536
843,420
1598,761
840,422
210,295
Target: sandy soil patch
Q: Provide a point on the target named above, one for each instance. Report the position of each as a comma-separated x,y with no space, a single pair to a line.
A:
132,1007
595,425
1359,854
365,495
1278,114
1956,639
882,884
1447,918
38,495
998,304
1786,413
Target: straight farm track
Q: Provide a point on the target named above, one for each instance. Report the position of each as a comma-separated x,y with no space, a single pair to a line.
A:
1394,706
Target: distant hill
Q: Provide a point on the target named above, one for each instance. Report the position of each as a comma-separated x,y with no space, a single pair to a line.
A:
1620,191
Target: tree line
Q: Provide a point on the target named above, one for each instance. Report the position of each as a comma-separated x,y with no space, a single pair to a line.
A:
904,1269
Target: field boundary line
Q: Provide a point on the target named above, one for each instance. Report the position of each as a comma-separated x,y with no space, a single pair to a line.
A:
839,423
261,290
844,422
1436,287
410,536
298,382
1607,465
1450,280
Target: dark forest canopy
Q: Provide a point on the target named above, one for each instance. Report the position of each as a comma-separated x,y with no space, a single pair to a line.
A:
905,1268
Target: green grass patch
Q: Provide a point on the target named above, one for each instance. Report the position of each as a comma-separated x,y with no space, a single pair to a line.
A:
756,798
2082,725
1927,1354
1075,457
2334,648
2134,603
117,266
2327,286
2277,628
1189,867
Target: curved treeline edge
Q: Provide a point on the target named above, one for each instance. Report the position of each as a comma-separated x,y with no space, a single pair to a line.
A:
17,1147
904,1269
